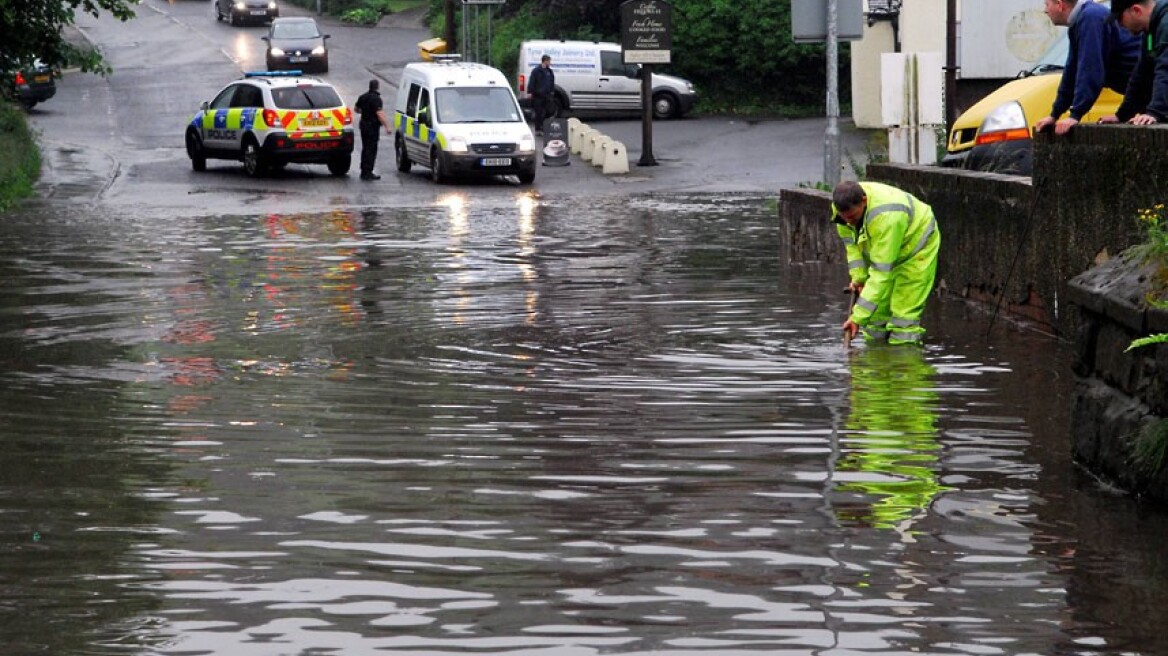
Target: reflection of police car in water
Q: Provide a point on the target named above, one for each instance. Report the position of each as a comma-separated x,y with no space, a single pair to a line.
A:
268,120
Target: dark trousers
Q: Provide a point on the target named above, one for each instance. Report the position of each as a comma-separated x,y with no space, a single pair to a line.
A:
540,107
369,136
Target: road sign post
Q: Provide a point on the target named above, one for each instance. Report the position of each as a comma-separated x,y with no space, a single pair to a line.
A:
646,33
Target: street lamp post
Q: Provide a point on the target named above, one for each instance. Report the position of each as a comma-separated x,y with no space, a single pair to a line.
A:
831,146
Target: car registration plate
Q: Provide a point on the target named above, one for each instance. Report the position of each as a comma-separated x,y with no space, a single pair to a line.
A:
298,60
41,79
314,123
259,12
496,161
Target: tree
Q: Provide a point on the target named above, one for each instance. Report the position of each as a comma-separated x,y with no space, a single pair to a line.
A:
34,29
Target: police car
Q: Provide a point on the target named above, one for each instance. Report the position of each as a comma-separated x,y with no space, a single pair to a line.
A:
269,119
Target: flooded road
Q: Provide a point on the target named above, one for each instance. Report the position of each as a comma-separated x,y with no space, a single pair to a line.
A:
512,425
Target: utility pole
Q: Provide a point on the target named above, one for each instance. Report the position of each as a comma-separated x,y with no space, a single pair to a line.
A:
448,29
950,64
831,146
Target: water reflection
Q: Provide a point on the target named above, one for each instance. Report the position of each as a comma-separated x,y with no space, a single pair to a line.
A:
505,424
890,454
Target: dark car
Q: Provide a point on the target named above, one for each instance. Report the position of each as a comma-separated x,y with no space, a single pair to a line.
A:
246,11
296,43
34,83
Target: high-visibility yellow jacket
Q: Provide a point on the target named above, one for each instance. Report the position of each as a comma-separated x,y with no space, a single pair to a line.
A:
895,230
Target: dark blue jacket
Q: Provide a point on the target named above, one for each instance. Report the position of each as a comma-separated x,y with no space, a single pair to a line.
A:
1102,54
1147,93
542,81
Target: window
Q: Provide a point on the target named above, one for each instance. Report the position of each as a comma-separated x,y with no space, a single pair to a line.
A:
248,96
611,64
412,102
223,100
476,105
306,96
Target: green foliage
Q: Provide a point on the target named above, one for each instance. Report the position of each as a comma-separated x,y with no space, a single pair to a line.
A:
361,16
1154,221
33,29
1150,450
22,162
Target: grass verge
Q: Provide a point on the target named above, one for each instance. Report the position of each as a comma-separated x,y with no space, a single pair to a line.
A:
20,168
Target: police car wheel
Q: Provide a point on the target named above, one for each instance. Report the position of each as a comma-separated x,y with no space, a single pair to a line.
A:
195,152
340,165
253,159
403,158
436,172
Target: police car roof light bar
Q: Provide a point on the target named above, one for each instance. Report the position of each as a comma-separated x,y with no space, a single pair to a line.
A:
292,73
445,58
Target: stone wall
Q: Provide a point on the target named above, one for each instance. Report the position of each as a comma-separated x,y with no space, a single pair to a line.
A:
1118,392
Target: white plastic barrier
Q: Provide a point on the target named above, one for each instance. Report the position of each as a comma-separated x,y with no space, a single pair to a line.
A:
587,144
576,143
616,158
603,145
573,136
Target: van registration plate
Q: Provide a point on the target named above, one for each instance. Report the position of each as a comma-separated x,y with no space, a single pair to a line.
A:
496,161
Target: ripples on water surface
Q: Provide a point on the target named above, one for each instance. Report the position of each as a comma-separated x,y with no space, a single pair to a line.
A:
515,426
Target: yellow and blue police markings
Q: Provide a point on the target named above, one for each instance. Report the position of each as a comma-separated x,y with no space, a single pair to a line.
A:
299,124
417,130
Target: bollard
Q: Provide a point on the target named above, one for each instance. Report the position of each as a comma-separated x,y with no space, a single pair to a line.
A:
578,146
573,132
603,145
616,160
587,142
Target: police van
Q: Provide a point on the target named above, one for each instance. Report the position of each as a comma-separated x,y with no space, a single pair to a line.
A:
460,118
592,78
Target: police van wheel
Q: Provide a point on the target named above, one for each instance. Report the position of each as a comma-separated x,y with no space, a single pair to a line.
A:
195,152
403,158
436,172
340,165
664,106
253,159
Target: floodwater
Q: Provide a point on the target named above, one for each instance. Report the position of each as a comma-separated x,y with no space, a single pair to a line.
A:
507,425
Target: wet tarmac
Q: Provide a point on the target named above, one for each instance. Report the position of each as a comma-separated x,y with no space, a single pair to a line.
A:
507,424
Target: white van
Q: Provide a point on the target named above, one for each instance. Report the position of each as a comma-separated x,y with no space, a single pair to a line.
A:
460,119
590,77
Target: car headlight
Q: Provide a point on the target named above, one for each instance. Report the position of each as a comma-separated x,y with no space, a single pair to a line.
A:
1007,122
457,145
689,88
272,6
277,52
527,144
319,50
240,6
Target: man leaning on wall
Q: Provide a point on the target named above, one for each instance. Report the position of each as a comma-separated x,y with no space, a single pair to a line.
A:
1146,100
1101,54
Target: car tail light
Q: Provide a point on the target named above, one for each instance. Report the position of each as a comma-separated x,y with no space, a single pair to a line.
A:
20,78
272,119
1007,122
522,83
348,118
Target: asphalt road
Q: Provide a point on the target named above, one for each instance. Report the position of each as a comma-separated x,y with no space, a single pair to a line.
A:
118,140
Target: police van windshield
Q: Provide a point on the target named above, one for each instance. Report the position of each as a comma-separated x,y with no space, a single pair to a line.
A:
306,97
476,105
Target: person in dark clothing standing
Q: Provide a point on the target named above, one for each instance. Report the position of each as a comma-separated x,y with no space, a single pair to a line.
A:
542,86
372,118
1146,100
1101,54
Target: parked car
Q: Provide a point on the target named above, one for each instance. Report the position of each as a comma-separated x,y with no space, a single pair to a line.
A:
296,43
34,83
995,134
246,11
268,120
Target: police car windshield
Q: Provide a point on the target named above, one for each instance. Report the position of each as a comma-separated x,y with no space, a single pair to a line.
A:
476,105
306,97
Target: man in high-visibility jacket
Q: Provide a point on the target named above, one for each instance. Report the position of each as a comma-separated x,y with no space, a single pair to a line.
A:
892,242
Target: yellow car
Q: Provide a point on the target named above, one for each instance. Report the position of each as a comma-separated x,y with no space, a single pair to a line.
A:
994,134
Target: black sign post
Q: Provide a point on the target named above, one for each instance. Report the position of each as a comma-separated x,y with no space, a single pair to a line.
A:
646,32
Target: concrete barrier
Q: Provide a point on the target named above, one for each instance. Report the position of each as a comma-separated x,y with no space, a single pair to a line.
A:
573,132
616,159
600,150
587,143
